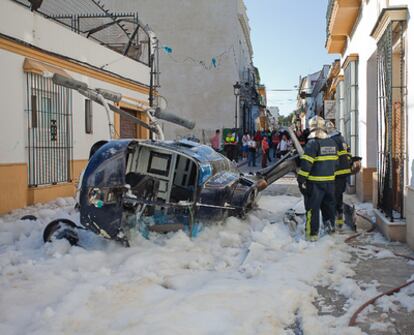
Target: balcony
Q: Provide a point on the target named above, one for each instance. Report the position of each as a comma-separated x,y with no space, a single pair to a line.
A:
340,20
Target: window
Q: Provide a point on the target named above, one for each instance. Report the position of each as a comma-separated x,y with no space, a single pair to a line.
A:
34,111
351,105
49,127
159,163
88,117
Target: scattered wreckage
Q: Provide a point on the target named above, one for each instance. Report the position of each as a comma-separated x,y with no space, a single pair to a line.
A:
134,186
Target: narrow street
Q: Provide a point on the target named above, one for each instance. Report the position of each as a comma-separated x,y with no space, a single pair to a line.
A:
134,197
246,275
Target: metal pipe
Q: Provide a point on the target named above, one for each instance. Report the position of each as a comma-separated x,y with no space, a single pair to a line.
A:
107,109
173,119
154,122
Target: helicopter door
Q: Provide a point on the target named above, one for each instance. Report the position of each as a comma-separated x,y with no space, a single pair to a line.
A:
157,163
184,182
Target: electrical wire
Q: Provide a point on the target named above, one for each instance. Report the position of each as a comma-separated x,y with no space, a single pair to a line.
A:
216,61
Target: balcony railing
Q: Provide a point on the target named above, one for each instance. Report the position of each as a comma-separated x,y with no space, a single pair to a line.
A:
121,32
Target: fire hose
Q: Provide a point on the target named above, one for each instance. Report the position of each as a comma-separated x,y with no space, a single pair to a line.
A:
348,241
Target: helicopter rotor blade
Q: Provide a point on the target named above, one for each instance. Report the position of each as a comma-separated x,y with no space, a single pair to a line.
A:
67,82
159,114
94,97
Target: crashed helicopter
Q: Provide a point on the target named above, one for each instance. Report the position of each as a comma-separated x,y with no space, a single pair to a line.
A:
132,186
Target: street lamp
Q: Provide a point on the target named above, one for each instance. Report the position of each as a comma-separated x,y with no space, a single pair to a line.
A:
237,88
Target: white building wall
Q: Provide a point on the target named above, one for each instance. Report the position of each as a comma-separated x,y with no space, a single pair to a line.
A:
19,22
13,127
50,36
12,97
196,31
364,45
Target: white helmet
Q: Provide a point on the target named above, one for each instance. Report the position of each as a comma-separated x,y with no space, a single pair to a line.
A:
329,126
317,122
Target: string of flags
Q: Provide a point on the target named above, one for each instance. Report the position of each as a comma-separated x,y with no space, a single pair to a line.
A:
214,62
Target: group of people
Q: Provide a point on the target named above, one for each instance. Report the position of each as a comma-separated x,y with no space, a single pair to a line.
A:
324,169
249,144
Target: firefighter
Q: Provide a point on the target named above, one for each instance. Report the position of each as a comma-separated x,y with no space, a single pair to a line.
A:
342,172
316,178
230,144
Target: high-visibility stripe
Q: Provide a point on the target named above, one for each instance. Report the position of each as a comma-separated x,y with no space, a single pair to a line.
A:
308,223
325,158
303,173
342,172
321,178
339,221
343,152
308,158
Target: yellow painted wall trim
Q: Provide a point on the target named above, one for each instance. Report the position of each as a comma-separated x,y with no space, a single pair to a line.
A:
350,58
337,80
12,164
15,193
132,106
139,101
336,44
13,186
117,125
141,132
47,193
27,50
34,66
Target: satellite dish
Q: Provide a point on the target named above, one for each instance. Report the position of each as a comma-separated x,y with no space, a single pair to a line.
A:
162,103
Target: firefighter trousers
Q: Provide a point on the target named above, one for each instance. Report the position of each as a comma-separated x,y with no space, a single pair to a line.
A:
319,196
340,186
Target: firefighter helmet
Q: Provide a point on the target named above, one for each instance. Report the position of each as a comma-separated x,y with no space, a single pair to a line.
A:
329,126
317,122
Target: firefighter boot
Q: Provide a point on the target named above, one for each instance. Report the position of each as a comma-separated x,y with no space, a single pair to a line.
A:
329,227
312,238
339,221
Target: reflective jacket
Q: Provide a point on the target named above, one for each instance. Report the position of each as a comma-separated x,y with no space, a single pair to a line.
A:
319,161
230,139
344,157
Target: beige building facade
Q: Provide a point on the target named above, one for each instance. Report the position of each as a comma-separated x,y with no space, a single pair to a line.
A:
205,49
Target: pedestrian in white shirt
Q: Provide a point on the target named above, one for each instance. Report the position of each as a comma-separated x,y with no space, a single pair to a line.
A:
283,146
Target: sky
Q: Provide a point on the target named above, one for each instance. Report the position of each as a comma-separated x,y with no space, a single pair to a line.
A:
288,40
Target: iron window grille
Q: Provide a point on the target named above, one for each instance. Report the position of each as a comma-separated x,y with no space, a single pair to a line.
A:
392,93
49,131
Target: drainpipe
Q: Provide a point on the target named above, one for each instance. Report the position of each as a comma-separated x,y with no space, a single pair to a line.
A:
354,117
341,106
